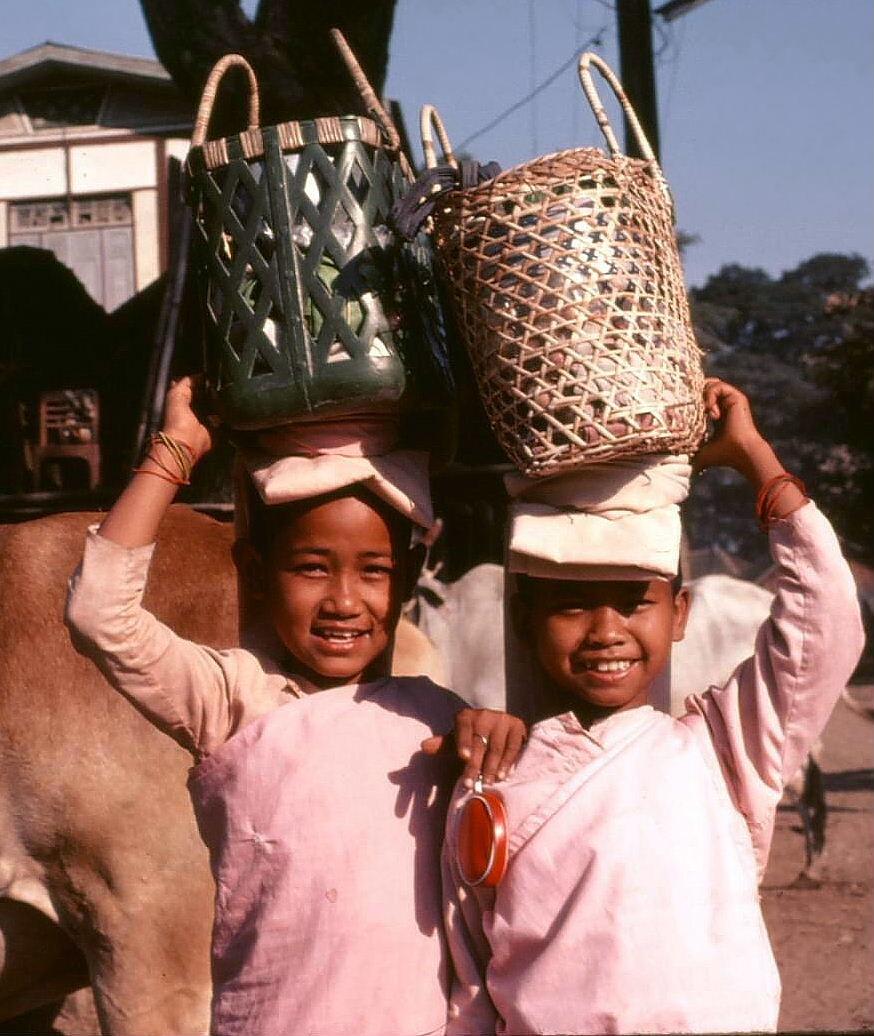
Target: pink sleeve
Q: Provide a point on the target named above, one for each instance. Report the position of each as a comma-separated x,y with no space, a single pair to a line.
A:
188,691
764,720
471,1012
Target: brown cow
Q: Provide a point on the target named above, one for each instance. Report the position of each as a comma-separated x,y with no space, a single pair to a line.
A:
102,873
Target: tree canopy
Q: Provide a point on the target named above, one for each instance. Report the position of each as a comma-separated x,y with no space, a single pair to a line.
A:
802,347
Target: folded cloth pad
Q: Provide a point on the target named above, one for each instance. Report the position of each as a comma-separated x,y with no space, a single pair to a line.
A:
304,460
619,520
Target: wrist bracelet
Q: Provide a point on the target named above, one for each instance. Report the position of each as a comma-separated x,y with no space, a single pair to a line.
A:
179,451
165,475
769,494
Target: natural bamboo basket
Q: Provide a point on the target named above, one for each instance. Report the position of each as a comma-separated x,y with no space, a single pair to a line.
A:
565,280
311,307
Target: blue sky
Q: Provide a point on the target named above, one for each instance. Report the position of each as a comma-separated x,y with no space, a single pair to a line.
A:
766,106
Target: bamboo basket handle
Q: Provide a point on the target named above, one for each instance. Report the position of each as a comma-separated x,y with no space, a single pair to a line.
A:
429,120
368,95
594,99
207,98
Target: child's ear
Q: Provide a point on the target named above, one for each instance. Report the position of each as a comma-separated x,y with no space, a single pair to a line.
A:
520,617
250,568
413,569
682,603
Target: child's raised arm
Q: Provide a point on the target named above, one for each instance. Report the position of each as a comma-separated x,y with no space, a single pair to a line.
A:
776,703
134,519
189,691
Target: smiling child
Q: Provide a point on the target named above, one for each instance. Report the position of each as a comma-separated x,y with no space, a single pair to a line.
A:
636,841
322,817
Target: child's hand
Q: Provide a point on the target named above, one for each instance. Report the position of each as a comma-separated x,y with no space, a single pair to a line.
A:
180,420
488,742
738,443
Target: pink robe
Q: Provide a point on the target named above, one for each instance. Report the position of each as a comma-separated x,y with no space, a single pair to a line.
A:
322,817
630,903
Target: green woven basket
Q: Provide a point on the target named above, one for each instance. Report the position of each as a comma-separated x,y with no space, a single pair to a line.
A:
311,307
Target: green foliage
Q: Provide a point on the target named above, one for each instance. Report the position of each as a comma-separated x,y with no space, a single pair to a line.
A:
802,347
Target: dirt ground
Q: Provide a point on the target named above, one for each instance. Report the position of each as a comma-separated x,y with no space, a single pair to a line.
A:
824,937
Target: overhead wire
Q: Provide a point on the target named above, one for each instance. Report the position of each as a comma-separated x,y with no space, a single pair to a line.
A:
532,71
593,41
668,55
578,38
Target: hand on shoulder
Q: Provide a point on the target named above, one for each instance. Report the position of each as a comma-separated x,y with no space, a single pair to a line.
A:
486,741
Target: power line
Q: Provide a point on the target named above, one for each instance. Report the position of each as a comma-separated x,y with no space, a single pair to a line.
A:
593,41
578,42
532,71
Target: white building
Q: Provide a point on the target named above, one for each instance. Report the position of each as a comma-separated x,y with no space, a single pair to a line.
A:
86,140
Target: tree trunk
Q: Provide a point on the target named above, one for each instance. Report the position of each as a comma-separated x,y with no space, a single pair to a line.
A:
287,43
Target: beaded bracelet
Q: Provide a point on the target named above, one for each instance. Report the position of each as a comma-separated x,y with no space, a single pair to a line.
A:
770,492
181,453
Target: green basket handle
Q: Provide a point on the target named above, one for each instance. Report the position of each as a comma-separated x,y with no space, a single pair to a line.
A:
207,99
430,120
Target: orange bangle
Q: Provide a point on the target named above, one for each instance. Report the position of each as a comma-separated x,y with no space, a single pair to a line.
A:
179,450
165,475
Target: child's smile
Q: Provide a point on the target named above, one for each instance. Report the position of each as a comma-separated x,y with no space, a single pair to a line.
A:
607,670
601,644
339,641
334,590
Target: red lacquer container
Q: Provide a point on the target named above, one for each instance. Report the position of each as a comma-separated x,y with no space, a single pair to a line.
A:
482,853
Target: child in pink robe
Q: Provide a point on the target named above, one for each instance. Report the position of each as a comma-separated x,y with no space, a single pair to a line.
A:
322,816
636,841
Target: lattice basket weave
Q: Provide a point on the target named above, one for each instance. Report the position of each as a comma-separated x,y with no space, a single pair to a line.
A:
565,280
311,308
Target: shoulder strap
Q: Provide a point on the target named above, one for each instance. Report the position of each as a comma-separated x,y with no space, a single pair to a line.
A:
538,817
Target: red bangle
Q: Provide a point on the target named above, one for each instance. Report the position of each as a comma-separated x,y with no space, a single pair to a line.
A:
769,494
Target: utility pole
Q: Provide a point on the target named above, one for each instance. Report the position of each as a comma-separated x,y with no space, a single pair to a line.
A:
634,25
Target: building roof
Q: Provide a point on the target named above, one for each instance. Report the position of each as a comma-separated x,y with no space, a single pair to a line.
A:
46,58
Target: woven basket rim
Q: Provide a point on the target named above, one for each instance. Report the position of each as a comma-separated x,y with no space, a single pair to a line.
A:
293,136
518,172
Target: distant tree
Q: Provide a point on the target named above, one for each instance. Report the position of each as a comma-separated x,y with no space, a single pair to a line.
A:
287,43
802,347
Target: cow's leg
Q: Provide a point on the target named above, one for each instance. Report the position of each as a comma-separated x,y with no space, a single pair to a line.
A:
39,963
161,1000
149,964
807,792
814,814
